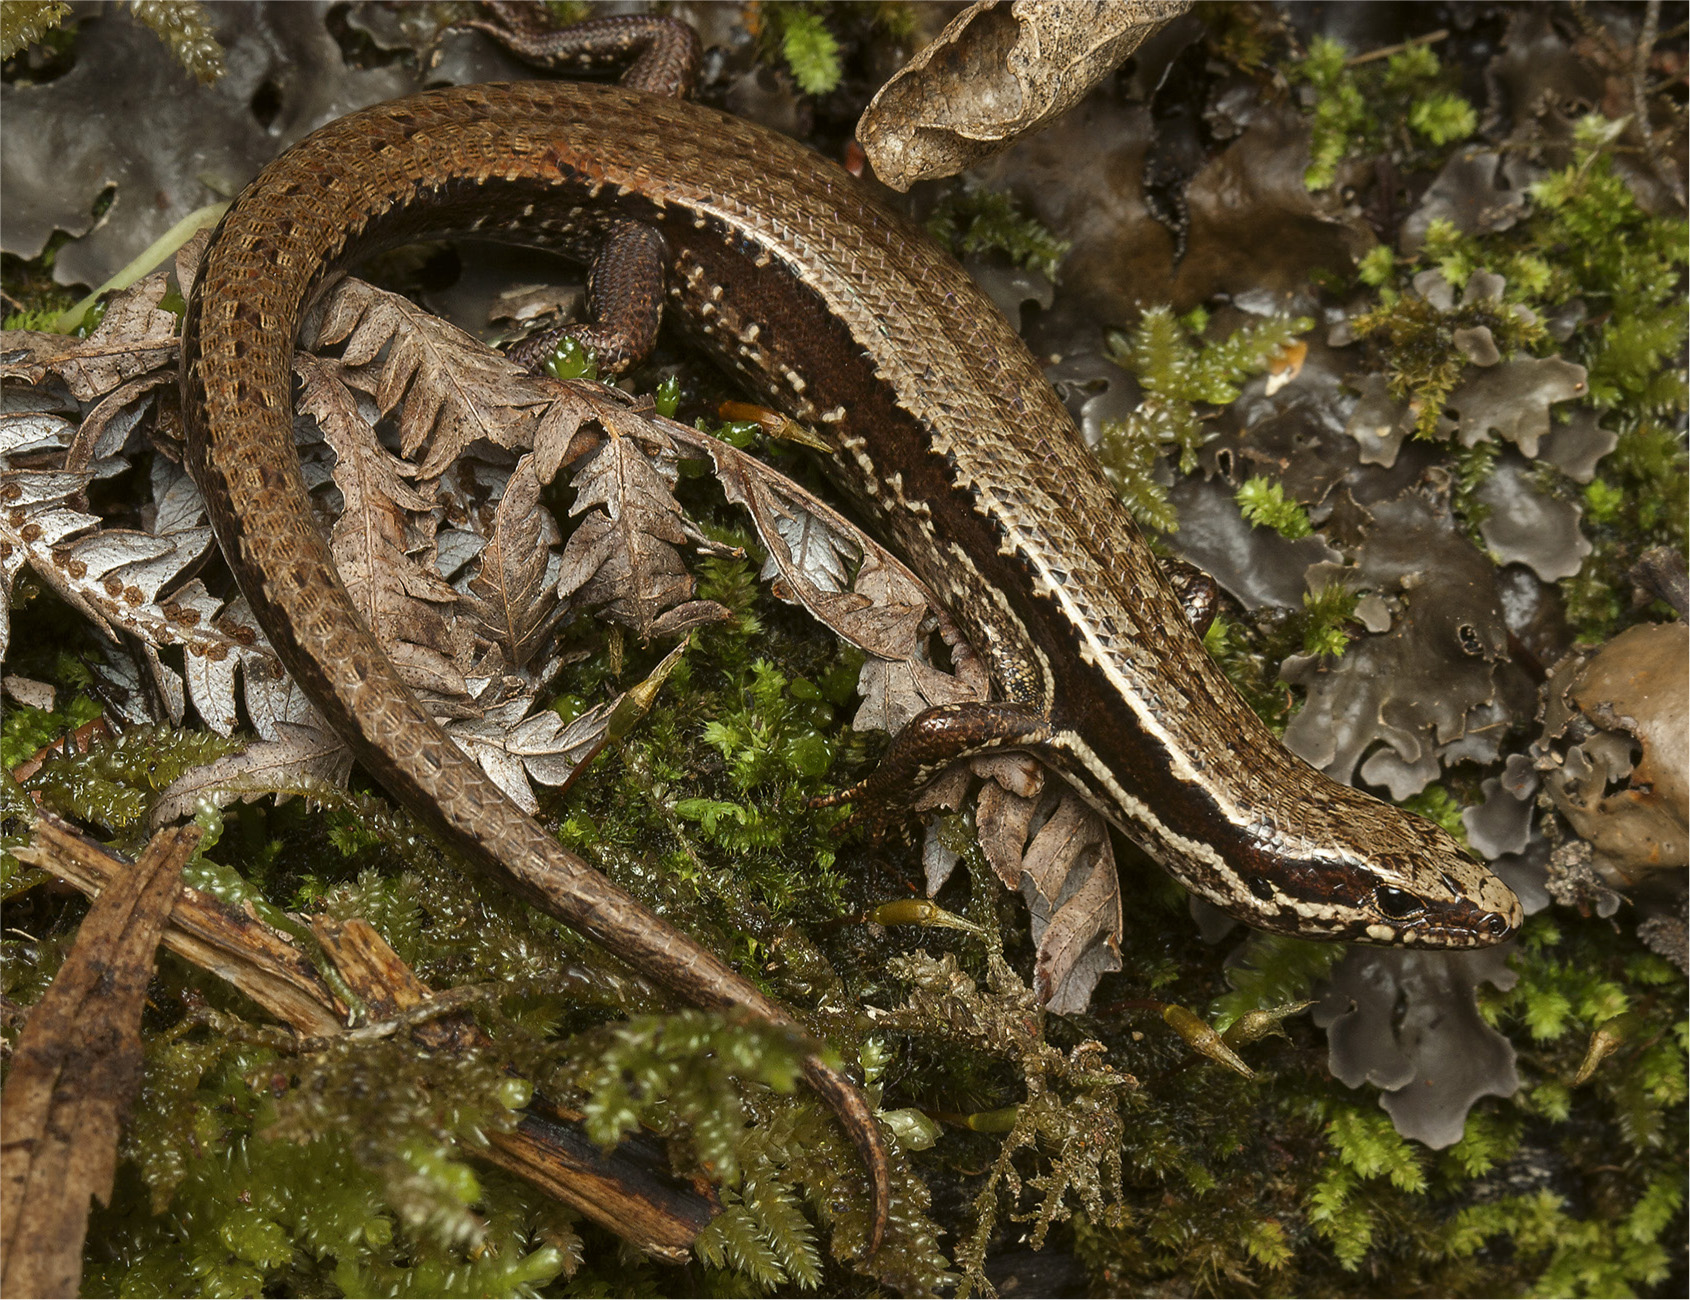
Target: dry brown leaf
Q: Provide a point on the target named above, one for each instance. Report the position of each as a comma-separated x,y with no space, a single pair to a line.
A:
383,541
559,439
75,1073
996,72
1073,896
300,760
624,555
1044,840
106,428
135,336
884,611
453,388
509,599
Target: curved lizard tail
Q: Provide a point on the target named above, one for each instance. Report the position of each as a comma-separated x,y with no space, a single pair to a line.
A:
237,351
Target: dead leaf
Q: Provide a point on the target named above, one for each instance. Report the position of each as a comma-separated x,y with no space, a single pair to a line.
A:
997,72
75,1073
452,387
383,540
509,599
1073,896
134,336
299,759
851,584
623,555
1051,845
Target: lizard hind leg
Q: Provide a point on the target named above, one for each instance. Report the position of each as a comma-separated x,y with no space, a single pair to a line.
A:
930,743
624,304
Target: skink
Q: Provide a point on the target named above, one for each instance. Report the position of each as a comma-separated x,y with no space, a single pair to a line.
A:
839,311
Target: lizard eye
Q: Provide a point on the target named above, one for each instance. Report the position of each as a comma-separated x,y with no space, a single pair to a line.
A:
1398,904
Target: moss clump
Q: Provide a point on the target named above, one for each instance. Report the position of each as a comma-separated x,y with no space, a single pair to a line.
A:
1264,505
1183,376
1355,109
973,219
1422,361
115,783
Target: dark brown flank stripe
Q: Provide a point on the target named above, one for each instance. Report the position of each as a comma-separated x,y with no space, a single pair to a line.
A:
972,465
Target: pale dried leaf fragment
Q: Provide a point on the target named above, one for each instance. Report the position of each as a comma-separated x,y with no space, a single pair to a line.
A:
996,72
299,761
106,428
75,1073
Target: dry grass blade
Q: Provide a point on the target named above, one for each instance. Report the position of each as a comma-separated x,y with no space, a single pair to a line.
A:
77,1068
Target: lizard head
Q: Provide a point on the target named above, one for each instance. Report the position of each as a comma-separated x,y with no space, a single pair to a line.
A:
1411,885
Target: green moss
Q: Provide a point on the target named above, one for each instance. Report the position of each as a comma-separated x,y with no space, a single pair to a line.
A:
973,219
188,30
1437,805
1354,111
24,22
811,51
1328,616
1264,505
114,783
1182,374
1423,365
